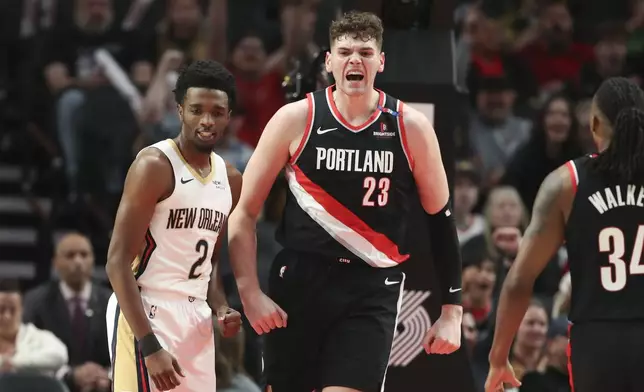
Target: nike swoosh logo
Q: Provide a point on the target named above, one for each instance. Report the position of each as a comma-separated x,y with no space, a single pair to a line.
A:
451,290
389,282
186,181
321,131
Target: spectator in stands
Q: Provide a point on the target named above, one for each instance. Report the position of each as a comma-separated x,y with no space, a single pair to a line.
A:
74,71
495,132
479,280
553,142
229,147
504,210
528,348
259,75
554,56
231,376
73,308
470,333
183,29
470,225
23,346
610,60
554,378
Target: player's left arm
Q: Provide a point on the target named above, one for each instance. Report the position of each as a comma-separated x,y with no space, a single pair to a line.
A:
230,319
542,239
431,181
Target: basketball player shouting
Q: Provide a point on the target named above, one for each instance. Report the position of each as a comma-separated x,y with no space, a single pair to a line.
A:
355,157
594,204
171,222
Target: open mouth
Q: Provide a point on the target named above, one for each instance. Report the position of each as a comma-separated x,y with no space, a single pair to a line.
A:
354,76
206,135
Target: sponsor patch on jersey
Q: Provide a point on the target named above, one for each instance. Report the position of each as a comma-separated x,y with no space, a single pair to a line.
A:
218,184
384,132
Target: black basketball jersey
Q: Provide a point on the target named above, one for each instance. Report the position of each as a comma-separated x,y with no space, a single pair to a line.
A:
604,238
350,186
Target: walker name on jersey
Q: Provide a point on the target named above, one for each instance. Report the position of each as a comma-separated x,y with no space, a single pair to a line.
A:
368,161
201,218
617,196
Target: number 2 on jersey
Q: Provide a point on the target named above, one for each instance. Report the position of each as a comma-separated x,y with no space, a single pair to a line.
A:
202,250
383,191
611,239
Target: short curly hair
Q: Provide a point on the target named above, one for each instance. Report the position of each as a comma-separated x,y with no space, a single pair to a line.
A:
206,74
358,25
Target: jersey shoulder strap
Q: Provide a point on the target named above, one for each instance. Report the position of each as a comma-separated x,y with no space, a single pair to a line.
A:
169,148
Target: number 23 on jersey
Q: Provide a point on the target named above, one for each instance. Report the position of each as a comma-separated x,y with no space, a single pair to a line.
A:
376,192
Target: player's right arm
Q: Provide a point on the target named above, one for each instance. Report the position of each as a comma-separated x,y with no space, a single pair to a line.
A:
281,135
148,181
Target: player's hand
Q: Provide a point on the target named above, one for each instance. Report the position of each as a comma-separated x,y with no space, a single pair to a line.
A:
444,337
499,376
163,369
229,321
263,314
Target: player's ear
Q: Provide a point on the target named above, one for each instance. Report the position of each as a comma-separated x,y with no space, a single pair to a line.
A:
327,62
180,111
382,62
594,124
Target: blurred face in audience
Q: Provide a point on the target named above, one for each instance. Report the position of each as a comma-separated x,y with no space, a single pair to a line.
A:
354,64
479,282
533,328
185,13
558,121
556,24
74,260
470,332
505,208
95,9
249,55
205,115
495,105
466,194
10,314
610,55
557,353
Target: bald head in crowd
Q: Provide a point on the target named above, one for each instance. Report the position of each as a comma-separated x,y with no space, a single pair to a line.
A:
74,260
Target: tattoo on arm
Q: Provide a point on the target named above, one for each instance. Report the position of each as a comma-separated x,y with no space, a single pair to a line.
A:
546,204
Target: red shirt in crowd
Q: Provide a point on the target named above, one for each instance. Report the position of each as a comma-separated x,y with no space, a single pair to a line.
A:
260,100
550,66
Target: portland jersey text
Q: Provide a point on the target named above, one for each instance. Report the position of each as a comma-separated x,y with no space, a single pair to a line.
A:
350,186
184,229
605,239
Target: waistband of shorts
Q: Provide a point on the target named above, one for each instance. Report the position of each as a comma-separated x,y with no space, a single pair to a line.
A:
339,261
169,296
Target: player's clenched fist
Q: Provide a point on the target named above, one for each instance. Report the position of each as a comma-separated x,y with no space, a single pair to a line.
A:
163,369
229,321
444,337
263,314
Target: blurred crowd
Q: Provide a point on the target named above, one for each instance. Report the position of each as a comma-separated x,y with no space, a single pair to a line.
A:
87,83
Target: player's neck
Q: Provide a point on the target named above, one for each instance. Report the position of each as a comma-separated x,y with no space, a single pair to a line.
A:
358,107
194,157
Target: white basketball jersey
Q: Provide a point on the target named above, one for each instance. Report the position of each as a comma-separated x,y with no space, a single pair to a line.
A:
183,231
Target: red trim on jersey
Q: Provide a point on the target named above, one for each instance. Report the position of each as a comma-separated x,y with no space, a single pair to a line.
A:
593,155
348,218
307,129
569,355
573,175
403,134
343,121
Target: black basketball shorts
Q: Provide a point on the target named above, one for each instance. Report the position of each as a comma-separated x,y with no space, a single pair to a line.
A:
607,356
341,322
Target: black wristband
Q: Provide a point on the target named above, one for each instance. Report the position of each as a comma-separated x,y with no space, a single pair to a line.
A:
446,252
149,344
